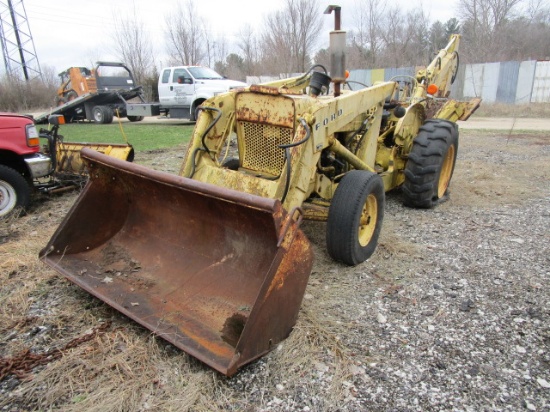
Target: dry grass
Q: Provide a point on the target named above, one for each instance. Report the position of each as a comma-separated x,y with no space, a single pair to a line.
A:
496,170
532,110
125,368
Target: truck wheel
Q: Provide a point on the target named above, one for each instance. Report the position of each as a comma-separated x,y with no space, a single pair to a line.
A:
98,114
431,164
355,217
102,114
15,192
135,118
194,106
107,114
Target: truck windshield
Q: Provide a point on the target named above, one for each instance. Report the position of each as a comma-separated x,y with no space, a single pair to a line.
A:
204,73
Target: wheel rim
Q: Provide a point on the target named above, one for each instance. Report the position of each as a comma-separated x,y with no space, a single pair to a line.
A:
369,216
446,172
8,198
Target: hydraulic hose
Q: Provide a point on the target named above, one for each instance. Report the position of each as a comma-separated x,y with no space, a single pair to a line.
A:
287,148
210,126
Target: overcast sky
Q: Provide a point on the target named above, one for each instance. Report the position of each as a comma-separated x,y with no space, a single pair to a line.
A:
77,33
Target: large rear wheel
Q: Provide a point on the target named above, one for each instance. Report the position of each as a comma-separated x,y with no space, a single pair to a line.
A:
355,217
431,164
15,192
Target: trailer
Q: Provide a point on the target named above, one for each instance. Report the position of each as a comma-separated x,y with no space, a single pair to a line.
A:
100,94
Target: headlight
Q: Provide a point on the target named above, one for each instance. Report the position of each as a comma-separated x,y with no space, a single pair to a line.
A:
32,135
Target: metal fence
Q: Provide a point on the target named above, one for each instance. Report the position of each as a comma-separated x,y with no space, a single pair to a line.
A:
504,82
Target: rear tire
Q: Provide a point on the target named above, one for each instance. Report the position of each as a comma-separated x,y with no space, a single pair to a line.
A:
107,114
98,114
135,118
15,191
431,164
102,114
355,217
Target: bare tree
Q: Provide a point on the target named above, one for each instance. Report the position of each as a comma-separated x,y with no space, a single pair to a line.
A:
291,34
396,37
438,36
133,47
483,24
367,40
250,49
185,35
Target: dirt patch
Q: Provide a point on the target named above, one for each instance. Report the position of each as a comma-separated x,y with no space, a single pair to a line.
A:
449,314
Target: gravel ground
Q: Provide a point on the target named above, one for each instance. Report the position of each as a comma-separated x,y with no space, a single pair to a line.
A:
452,311
450,314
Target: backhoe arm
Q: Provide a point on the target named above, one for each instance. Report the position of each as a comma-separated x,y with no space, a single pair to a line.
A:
441,71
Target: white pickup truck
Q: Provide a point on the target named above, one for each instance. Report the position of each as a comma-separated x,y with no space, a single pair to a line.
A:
183,88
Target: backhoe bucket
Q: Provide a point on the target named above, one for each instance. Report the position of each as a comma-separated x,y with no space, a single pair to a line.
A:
218,273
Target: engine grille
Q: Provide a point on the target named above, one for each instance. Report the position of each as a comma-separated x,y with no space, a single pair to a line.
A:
260,147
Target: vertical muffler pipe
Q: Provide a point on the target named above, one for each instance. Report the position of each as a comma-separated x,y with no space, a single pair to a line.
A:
337,51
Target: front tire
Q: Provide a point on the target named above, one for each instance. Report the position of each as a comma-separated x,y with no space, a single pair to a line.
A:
431,164
15,192
355,217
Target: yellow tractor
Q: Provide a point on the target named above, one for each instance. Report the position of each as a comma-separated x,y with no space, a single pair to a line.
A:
213,260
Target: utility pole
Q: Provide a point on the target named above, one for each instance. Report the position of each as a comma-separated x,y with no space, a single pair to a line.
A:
18,51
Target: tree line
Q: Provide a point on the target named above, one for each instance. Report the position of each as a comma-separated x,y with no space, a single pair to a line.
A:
379,35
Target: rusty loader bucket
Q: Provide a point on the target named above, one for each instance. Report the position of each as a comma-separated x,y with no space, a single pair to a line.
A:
218,273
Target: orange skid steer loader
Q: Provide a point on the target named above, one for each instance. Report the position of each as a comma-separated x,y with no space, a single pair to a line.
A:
213,260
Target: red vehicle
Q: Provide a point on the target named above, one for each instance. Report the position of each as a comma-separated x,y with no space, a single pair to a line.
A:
25,166
20,161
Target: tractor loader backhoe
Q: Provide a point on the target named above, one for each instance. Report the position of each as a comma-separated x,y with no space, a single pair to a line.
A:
213,260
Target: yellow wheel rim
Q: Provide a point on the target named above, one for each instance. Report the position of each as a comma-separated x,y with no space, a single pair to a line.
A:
369,216
446,172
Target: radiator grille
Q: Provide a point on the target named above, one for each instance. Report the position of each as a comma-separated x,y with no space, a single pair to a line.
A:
261,153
